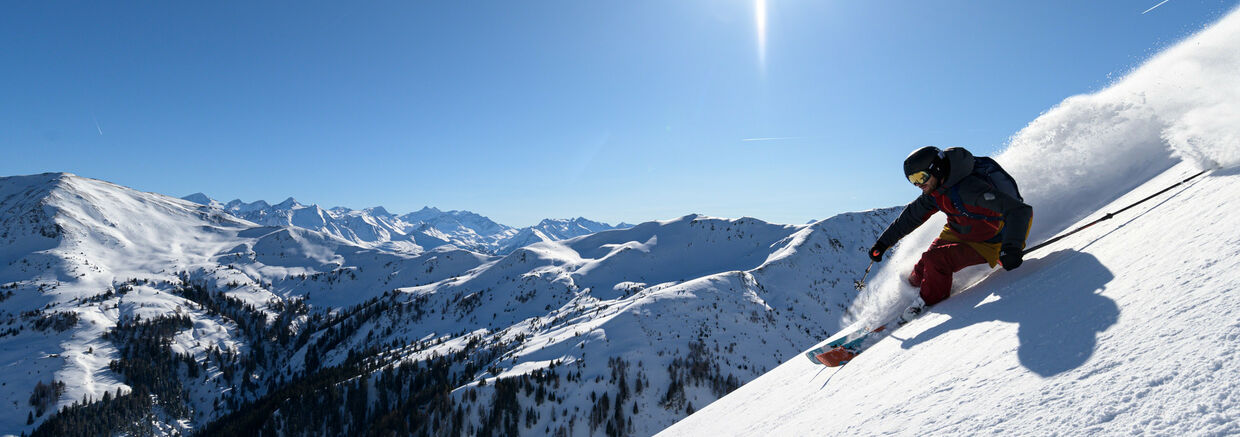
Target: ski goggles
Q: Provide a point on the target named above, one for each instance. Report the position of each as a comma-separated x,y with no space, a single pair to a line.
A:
919,178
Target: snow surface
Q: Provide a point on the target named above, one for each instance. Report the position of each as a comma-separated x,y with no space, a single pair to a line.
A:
1132,328
1129,327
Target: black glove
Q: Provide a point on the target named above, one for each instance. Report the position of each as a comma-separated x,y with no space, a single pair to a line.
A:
1011,257
876,252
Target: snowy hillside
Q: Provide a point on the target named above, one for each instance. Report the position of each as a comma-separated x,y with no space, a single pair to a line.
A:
630,329
554,230
415,232
1129,327
168,316
85,259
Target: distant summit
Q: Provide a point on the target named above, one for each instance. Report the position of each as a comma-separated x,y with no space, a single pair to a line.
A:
202,199
417,231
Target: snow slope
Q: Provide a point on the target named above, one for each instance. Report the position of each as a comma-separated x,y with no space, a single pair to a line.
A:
1129,327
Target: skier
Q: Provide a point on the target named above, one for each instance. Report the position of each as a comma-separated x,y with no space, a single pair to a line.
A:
987,221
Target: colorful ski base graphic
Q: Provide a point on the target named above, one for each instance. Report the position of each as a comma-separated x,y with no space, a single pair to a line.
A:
848,343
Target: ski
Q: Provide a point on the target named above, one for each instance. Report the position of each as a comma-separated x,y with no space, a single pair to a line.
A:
843,348
845,345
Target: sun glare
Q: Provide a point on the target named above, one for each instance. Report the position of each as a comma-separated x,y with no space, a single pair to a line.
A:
760,21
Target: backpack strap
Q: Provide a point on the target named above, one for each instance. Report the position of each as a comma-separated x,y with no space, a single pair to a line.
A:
958,203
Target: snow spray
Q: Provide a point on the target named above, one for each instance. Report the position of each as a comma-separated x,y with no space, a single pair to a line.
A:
1180,105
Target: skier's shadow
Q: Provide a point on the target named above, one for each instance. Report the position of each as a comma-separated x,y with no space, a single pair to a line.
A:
1056,301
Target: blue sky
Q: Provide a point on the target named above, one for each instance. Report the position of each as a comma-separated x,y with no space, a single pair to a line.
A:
612,110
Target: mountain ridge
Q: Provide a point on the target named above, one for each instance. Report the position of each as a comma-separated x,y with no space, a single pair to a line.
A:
420,230
258,308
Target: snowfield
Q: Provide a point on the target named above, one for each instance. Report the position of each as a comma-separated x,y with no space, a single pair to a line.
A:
1129,327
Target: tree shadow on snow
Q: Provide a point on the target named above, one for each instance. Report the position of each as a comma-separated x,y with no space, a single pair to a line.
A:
1056,300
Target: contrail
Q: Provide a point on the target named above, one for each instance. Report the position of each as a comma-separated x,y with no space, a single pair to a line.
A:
773,139
92,117
1155,6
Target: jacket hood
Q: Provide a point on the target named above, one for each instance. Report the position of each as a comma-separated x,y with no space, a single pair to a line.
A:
960,164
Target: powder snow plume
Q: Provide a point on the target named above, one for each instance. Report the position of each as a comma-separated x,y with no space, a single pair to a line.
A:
1181,104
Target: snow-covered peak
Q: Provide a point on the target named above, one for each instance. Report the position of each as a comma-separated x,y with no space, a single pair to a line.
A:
378,211
88,213
202,199
424,229
568,228
426,211
289,203
453,220
237,206
27,215
32,186
36,185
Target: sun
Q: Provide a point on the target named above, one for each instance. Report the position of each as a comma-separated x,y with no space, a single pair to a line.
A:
760,23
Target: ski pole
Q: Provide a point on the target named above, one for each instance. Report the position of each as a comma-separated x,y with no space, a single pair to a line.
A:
1109,215
861,284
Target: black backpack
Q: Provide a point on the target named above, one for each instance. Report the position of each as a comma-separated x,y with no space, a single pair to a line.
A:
990,171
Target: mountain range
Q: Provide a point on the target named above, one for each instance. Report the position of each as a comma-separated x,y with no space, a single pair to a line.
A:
165,315
418,231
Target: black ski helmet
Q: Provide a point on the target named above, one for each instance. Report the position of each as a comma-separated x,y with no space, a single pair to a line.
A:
928,159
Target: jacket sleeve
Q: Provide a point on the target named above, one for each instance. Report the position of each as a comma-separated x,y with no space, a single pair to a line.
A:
1017,215
914,214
